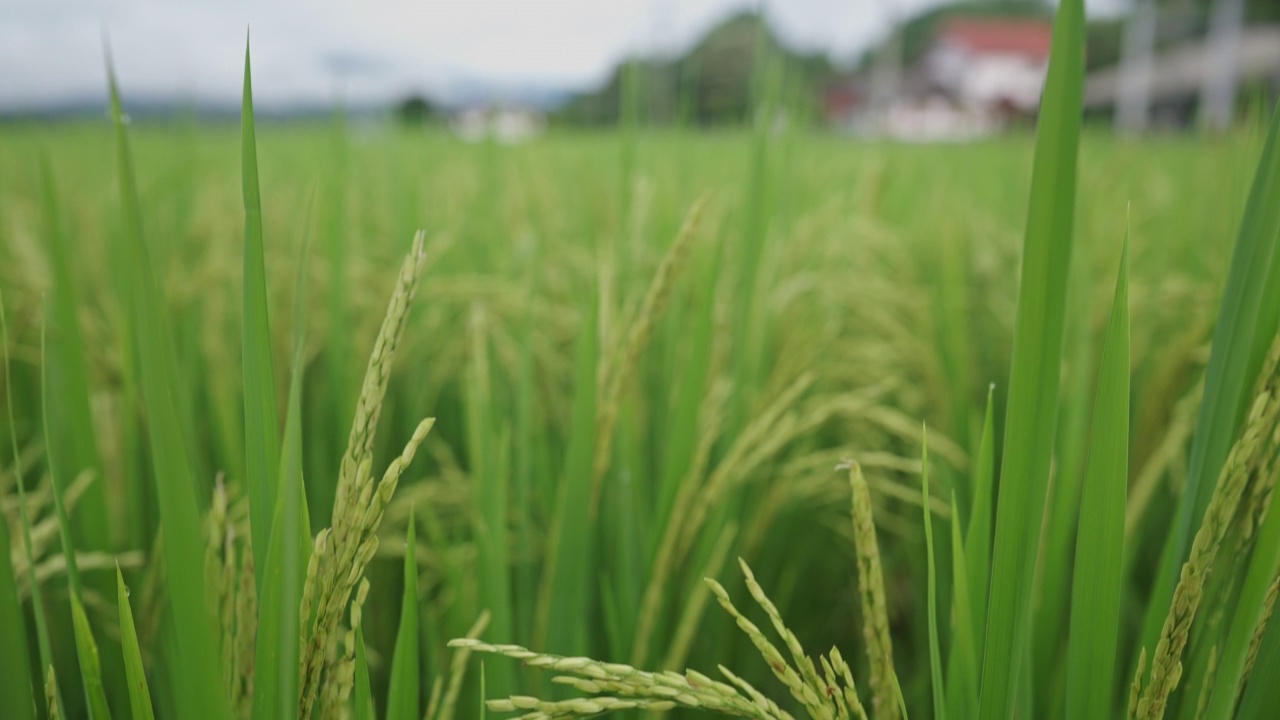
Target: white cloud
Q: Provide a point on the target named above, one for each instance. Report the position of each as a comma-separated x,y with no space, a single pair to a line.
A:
51,50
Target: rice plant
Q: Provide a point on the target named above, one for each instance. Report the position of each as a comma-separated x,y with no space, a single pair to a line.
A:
992,429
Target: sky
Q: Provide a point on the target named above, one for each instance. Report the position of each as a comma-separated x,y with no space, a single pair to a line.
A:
309,52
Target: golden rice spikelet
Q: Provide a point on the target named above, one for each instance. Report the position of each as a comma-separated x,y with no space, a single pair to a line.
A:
875,617
1243,461
342,550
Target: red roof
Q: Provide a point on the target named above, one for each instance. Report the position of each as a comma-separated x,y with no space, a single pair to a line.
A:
1015,36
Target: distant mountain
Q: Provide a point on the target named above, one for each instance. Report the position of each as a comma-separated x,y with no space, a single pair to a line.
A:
466,93
712,83
168,107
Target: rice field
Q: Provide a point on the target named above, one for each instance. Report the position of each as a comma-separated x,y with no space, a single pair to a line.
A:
337,419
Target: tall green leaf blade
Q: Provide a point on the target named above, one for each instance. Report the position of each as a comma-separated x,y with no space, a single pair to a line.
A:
139,695
935,655
199,692
1259,700
1098,576
1246,324
362,693
68,369
1233,652
490,477
962,666
276,690
90,666
566,581
276,693
1034,376
37,595
261,422
86,648
402,696
17,696
977,541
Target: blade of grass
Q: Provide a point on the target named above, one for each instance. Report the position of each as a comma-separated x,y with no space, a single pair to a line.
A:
402,696
1259,234
261,423
1098,576
962,665
1259,700
37,595
139,695
935,655
90,666
977,539
1034,374
1233,652
363,694
17,695
68,368
199,690
490,475
1246,323
562,601
276,694
86,648
337,375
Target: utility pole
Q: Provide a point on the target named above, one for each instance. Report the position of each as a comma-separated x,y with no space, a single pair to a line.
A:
1133,100
1221,72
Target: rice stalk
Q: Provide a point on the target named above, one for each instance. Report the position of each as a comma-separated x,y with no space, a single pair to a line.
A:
1242,462
614,686
649,690
342,551
758,432
655,302
665,559
457,671
690,616
1268,609
875,617
1206,684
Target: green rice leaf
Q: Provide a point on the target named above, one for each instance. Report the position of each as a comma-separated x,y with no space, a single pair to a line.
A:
37,595
198,687
363,694
1259,700
1034,375
1246,324
276,694
962,666
402,696
935,655
977,541
90,666
86,648
17,695
261,423
490,474
139,695
566,581
1233,652
276,691
1253,292
69,374
1098,576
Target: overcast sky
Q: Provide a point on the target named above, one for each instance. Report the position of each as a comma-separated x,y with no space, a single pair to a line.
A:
306,51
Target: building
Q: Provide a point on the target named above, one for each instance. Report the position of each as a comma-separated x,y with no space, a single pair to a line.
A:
993,66
1176,77
976,76
507,125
